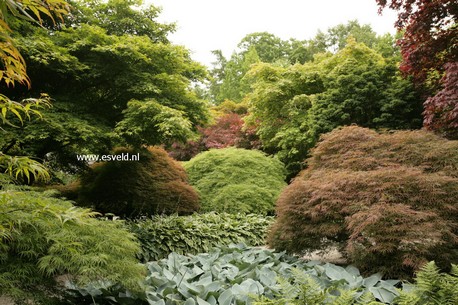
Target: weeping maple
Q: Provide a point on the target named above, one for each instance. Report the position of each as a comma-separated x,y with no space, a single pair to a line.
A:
388,200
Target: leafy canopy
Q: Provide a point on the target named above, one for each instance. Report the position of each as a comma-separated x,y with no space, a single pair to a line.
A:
291,106
100,76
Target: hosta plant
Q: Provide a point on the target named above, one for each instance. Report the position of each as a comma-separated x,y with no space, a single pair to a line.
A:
238,275
161,235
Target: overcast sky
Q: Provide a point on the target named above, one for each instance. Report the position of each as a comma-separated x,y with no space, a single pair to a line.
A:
206,25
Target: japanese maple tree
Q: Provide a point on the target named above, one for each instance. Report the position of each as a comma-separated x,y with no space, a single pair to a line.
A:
429,48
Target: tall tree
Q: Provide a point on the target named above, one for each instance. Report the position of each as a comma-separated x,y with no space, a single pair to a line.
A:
429,49
292,106
228,74
94,70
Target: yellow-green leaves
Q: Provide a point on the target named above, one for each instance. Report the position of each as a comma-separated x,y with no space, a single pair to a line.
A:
13,64
23,110
23,168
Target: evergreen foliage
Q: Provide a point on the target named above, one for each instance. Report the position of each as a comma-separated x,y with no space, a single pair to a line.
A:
156,184
389,199
43,237
236,180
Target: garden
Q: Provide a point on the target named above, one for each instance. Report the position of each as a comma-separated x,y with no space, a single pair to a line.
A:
346,143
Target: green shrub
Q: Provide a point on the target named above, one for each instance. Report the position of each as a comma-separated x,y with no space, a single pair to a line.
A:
156,184
236,180
42,238
160,236
390,200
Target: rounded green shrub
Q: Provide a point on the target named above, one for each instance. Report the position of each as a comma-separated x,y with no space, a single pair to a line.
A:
156,184
390,200
236,180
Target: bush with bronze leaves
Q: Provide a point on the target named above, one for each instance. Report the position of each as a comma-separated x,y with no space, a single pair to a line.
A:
156,184
389,200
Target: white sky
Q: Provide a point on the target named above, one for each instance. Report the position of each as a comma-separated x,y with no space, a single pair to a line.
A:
206,25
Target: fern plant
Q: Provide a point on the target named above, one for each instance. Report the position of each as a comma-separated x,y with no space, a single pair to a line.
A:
307,290
431,287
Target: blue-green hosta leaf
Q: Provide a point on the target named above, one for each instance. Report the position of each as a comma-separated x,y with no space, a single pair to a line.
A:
353,271
190,301
267,277
205,280
226,297
169,275
382,294
392,282
212,300
202,302
372,280
335,273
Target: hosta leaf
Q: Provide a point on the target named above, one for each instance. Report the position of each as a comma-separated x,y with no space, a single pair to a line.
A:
372,280
190,301
382,294
226,297
202,302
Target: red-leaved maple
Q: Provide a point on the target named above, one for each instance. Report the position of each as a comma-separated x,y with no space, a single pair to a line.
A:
430,34
441,110
430,43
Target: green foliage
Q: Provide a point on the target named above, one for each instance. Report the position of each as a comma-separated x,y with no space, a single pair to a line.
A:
431,287
160,236
112,67
229,81
236,180
306,290
16,168
121,17
155,184
13,67
236,275
389,200
42,238
160,124
291,106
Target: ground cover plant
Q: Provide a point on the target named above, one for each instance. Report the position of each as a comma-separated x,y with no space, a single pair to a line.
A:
237,275
198,233
156,184
236,180
389,200
430,287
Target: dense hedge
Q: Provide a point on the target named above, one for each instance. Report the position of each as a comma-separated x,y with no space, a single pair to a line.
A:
160,236
391,200
236,180
156,184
